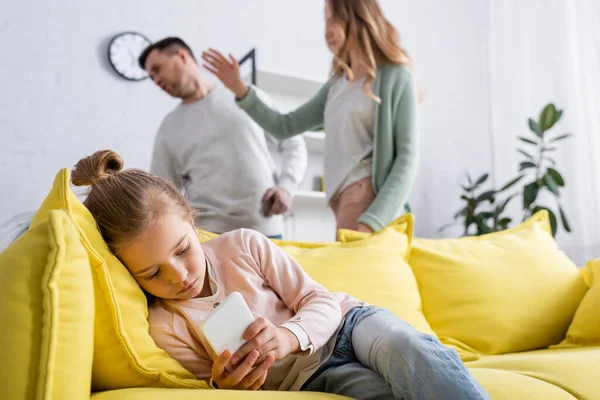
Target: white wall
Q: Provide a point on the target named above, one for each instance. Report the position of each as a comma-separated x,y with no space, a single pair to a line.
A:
448,40
60,100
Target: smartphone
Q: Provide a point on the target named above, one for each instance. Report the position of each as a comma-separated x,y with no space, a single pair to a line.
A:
224,327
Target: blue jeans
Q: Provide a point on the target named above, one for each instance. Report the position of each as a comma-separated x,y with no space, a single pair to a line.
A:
378,356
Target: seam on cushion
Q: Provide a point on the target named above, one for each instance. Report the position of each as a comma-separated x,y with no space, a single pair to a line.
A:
49,315
541,217
409,220
529,375
589,274
526,375
539,378
466,352
579,342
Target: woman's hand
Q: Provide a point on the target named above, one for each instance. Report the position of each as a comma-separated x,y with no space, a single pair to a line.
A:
243,377
268,340
364,228
227,70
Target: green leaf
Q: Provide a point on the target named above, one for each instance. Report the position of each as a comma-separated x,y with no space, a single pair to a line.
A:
467,189
482,179
556,176
547,118
525,154
552,216
564,219
561,137
482,228
550,183
469,179
505,221
486,215
553,223
547,149
502,223
489,195
469,220
511,183
528,141
461,213
443,228
463,197
526,165
500,208
535,128
558,115
530,193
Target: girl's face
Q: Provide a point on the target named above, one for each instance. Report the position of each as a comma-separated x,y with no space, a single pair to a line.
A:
167,260
335,35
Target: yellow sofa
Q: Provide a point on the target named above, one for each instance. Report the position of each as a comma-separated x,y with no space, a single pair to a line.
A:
522,317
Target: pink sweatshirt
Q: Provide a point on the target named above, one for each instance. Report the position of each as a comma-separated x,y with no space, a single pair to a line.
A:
275,287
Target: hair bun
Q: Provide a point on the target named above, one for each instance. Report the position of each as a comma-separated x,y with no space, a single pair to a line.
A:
95,168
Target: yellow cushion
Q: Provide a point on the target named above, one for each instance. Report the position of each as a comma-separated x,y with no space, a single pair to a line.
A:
404,223
508,385
573,370
372,270
585,328
47,314
190,394
499,293
124,353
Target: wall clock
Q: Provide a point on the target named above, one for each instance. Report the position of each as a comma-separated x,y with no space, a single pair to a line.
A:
123,52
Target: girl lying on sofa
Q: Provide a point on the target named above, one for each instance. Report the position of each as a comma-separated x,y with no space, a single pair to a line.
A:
304,337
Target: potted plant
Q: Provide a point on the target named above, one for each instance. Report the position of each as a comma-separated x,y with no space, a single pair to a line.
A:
484,210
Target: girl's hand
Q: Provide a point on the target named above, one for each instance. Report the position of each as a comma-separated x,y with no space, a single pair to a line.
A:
243,377
227,70
268,340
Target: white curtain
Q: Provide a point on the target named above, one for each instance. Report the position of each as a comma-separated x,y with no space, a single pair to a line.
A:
545,51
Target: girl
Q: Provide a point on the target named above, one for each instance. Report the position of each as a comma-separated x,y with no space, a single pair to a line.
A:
368,109
304,337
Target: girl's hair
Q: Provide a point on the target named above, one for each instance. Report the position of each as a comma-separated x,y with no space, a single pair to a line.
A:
125,203
371,35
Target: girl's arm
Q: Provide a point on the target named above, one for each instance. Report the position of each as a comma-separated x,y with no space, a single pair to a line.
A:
242,377
281,126
317,312
399,182
178,349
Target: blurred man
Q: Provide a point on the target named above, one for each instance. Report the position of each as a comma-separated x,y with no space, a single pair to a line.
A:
215,153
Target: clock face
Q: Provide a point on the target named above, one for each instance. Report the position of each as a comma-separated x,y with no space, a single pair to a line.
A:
123,52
